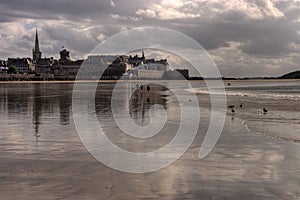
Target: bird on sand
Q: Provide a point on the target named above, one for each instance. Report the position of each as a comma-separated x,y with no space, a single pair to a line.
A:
265,110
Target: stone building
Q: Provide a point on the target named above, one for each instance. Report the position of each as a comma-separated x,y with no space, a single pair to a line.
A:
95,65
46,66
67,68
136,60
22,65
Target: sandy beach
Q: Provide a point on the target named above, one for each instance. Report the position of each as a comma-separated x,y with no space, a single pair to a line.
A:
55,165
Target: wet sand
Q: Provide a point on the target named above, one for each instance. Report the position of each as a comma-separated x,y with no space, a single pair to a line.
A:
243,165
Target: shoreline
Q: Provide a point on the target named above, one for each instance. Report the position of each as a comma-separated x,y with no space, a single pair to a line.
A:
143,80
280,123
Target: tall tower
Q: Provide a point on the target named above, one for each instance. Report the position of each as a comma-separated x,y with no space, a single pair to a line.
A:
36,54
143,55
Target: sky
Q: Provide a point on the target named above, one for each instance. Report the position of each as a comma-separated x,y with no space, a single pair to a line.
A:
244,37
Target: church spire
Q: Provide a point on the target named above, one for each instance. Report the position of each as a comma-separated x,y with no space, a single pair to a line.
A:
143,55
36,46
36,54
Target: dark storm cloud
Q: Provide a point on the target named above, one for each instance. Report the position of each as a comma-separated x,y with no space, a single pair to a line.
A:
10,15
72,10
257,36
46,9
67,17
264,37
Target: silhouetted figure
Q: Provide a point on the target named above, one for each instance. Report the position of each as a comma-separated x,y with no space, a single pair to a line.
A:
265,110
148,88
232,111
241,105
231,106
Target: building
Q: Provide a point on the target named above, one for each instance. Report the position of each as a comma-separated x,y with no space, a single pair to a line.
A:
117,68
136,60
42,66
3,66
67,68
64,56
22,65
46,66
96,64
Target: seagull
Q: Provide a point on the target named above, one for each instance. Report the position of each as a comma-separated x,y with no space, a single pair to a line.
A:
231,106
265,110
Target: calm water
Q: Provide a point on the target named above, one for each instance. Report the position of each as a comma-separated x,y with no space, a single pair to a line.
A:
38,141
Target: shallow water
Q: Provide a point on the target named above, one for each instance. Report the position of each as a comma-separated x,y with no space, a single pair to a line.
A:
41,153
280,98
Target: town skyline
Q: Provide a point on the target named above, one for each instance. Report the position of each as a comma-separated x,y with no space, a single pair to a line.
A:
258,38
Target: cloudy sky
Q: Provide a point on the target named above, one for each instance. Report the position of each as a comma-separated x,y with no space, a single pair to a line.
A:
244,37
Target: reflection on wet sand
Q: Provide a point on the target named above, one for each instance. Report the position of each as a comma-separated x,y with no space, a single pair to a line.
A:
39,101
144,97
37,109
145,100
241,166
